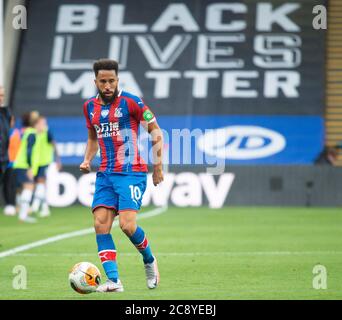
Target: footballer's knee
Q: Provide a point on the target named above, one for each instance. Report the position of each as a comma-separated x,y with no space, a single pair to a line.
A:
41,180
128,226
102,222
101,228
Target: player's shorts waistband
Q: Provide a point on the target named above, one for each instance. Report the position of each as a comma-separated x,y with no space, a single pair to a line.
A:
127,173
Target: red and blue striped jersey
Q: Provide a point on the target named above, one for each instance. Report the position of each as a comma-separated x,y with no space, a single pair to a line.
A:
117,126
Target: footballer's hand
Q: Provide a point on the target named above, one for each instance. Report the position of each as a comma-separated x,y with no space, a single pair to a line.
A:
30,174
85,167
59,165
158,175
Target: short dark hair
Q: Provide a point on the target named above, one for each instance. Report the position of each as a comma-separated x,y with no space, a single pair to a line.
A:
25,119
29,119
105,64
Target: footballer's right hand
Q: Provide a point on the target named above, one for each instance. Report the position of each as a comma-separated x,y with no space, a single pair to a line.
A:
85,167
30,175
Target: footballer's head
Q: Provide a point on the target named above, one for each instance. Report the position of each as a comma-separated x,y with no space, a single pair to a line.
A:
40,124
29,119
106,79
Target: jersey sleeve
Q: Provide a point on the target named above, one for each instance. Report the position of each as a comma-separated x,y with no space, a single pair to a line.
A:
86,115
141,111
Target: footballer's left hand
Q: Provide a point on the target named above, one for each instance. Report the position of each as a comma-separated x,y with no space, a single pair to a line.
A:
158,175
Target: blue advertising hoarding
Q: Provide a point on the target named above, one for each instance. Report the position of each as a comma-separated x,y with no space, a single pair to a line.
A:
208,140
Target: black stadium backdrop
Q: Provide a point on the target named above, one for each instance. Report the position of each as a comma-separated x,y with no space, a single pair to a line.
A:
182,57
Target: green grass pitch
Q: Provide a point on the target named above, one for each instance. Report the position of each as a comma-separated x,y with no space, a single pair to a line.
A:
230,253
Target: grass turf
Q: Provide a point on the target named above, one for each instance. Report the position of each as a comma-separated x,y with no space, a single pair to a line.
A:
230,253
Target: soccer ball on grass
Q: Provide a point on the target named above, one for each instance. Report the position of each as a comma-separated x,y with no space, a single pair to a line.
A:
84,277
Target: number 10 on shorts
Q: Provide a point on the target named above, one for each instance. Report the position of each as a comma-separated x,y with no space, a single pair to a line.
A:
135,193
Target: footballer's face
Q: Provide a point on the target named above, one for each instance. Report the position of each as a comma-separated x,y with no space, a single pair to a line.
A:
2,95
41,125
107,84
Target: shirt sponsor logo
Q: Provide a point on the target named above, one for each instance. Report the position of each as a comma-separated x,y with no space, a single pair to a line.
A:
241,142
109,129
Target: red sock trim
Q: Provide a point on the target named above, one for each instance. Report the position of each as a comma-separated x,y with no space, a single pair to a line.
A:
143,245
107,255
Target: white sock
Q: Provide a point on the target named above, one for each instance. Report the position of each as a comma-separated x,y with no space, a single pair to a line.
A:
25,199
17,199
45,208
39,196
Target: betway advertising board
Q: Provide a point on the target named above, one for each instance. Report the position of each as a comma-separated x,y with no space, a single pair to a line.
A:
189,186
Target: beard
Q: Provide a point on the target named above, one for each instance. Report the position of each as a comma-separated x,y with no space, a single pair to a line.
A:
108,99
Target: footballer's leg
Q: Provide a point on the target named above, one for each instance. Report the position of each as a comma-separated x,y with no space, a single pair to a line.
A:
138,237
103,207
25,196
103,220
39,200
130,190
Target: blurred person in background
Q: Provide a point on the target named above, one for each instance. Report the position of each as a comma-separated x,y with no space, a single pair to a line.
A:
47,152
9,183
26,165
5,119
328,156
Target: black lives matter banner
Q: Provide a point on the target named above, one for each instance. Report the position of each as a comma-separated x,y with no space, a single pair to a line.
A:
195,57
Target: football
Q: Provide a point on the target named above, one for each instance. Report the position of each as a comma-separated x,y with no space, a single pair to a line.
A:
84,277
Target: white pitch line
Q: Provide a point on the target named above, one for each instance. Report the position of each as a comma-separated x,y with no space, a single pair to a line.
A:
191,254
73,234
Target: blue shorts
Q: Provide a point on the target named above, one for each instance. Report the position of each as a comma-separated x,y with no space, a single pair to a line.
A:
21,177
41,172
120,192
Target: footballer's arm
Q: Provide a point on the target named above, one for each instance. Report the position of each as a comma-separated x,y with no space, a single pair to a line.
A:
157,148
91,151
